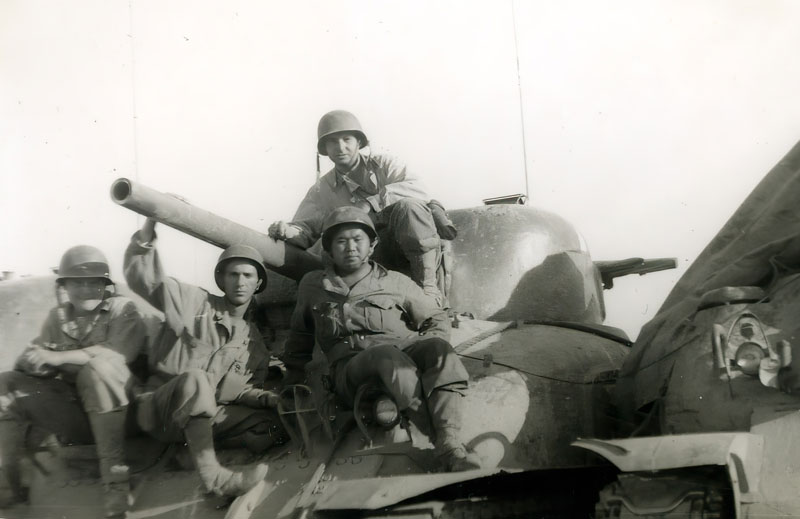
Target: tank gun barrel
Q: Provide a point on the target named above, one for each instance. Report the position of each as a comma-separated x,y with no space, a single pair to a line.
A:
283,258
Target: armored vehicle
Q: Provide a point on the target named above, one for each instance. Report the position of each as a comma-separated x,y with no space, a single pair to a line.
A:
528,325
709,390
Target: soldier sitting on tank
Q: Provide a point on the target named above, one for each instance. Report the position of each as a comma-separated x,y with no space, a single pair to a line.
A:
409,223
72,380
208,364
376,326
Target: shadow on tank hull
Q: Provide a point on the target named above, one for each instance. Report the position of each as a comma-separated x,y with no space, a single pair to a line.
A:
542,368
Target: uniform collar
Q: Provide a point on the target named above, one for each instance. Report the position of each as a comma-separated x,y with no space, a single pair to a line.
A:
104,306
333,283
361,170
222,315
69,324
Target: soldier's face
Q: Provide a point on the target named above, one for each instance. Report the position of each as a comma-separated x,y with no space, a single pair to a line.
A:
342,149
85,293
350,249
240,281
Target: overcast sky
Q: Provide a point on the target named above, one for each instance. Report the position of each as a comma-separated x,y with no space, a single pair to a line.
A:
645,123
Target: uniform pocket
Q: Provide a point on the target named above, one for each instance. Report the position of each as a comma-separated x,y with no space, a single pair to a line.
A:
375,310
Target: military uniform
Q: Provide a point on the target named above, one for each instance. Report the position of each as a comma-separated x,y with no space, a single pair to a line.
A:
78,403
203,364
395,200
383,328
112,336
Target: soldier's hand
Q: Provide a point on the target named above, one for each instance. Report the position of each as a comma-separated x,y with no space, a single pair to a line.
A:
293,376
268,399
38,357
147,232
281,230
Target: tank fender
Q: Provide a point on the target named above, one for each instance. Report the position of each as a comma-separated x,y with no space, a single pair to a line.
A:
375,493
741,452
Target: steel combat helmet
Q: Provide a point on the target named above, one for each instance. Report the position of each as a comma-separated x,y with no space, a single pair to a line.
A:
344,215
83,261
335,122
242,252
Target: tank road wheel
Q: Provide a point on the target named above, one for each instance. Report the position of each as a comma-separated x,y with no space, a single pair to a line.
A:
657,496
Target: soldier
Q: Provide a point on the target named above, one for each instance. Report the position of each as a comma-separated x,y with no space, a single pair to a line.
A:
409,223
208,364
377,325
72,380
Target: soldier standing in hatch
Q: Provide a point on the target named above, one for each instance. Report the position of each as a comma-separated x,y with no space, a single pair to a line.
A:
73,379
409,222
376,325
208,364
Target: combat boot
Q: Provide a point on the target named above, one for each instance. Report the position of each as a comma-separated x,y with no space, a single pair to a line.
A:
446,410
109,437
216,478
424,266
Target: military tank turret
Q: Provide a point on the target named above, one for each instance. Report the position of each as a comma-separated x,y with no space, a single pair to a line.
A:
528,325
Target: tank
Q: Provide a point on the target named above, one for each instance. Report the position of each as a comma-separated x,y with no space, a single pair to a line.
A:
528,326
708,395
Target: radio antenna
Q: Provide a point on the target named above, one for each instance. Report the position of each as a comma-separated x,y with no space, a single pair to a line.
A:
521,111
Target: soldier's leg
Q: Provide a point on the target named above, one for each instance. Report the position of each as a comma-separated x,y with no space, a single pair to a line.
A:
238,426
12,441
386,365
101,386
47,403
411,225
216,478
185,407
50,405
444,378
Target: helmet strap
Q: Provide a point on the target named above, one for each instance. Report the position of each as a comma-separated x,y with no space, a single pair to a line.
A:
318,169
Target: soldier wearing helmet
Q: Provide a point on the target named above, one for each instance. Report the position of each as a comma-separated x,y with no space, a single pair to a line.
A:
410,225
375,324
71,381
208,364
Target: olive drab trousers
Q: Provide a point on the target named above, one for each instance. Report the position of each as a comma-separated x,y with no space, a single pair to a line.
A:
165,411
409,375
60,406
405,228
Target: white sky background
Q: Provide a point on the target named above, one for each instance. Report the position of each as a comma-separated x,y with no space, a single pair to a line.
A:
646,123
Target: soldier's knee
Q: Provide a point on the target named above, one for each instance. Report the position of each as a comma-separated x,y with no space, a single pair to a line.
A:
438,347
8,380
192,382
387,359
100,385
412,205
88,378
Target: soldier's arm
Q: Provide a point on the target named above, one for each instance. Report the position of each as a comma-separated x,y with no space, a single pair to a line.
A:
300,344
400,183
124,341
126,334
428,318
145,275
308,218
252,393
39,358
